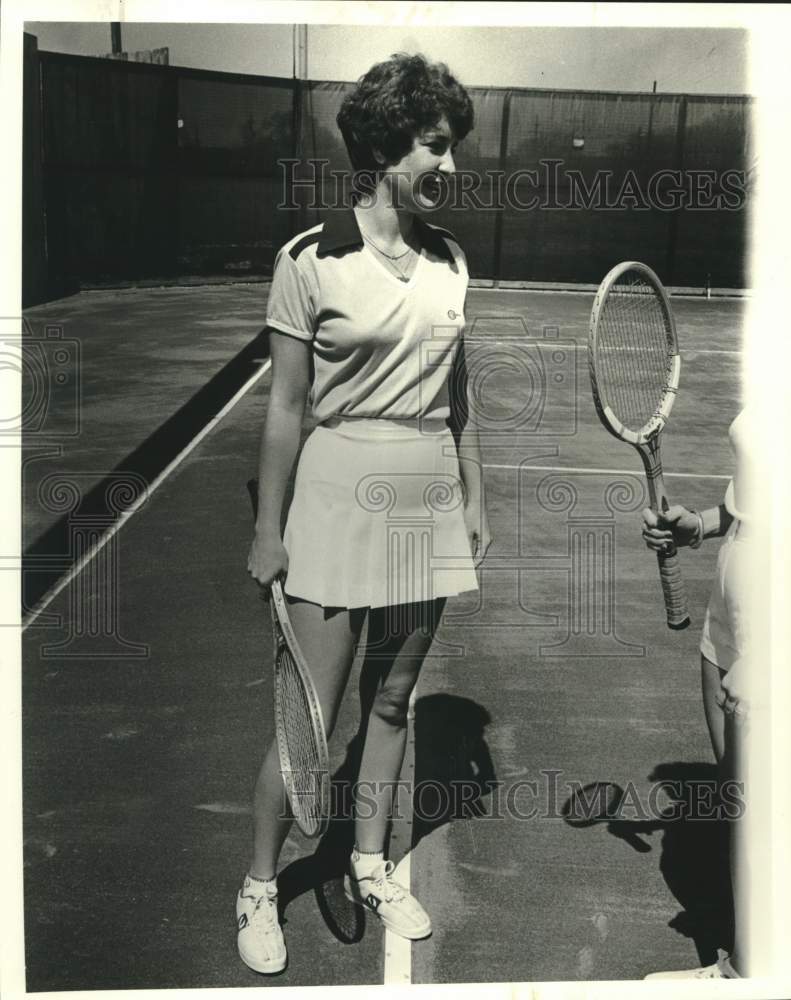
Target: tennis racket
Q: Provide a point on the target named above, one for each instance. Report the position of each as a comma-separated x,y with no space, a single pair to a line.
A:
634,368
299,723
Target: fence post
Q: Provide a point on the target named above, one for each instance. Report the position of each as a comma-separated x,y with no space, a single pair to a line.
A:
669,276
300,44
499,218
34,253
171,178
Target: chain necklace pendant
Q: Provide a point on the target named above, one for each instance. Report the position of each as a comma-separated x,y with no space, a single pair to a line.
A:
403,276
392,258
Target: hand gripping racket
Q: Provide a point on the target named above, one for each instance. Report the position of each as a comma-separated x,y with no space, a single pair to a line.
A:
634,368
299,723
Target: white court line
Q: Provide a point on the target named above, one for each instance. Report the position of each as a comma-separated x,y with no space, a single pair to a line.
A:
710,350
563,345
398,950
612,472
687,294
79,566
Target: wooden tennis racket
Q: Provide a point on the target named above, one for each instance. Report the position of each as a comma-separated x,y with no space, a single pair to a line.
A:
634,369
299,723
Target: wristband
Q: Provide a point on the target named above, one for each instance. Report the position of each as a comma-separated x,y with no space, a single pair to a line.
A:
698,540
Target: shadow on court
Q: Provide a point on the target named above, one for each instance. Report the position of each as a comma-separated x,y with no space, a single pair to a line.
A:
138,769
453,767
322,871
453,774
693,845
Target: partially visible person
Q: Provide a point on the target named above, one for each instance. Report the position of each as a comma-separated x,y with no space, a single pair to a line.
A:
724,655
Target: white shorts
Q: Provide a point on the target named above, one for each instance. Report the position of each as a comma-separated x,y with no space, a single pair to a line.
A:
728,615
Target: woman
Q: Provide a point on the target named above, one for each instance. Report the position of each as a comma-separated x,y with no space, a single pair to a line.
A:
724,646
388,517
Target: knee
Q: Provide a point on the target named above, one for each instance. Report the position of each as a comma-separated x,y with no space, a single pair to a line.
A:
390,706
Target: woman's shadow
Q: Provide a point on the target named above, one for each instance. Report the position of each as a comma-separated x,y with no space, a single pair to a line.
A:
694,846
453,767
453,774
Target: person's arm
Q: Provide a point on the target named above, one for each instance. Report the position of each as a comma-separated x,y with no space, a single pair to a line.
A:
743,606
468,446
683,526
279,445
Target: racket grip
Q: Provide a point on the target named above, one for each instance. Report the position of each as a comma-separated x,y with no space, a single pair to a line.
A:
673,589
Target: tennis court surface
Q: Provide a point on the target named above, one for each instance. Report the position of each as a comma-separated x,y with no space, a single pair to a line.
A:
147,677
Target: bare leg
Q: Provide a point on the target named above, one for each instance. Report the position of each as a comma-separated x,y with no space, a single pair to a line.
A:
733,770
398,640
711,677
328,645
726,738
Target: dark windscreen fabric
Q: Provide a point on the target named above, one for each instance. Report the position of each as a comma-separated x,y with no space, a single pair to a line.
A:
156,171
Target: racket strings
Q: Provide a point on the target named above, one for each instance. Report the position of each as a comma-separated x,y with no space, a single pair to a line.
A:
304,767
633,359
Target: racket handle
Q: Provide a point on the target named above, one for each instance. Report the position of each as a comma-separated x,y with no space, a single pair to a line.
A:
673,589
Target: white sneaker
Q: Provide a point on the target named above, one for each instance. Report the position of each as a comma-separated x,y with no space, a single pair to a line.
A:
260,938
722,969
395,906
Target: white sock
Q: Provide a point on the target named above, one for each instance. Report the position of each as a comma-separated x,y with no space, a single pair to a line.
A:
260,883
365,863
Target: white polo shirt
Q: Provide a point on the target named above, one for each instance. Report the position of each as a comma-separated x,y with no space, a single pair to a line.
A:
382,347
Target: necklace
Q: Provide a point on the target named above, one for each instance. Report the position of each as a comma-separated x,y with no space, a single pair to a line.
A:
393,258
390,256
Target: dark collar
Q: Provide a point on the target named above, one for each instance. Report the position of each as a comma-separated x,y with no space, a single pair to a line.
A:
341,232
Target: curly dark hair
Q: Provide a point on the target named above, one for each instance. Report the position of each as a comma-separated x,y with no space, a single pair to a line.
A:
396,100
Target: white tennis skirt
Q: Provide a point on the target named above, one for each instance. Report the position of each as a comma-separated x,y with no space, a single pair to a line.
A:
377,516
